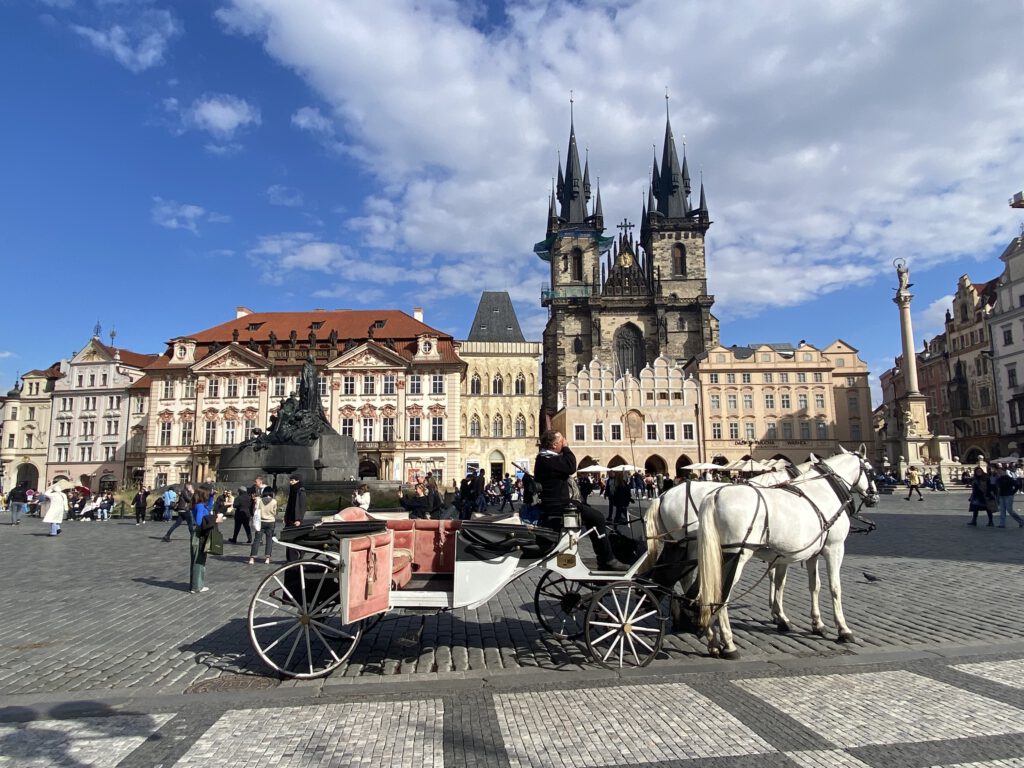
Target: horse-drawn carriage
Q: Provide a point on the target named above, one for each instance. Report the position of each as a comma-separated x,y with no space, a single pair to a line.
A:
308,616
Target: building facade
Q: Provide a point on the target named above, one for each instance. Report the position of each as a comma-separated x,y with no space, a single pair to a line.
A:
24,439
1006,330
649,420
769,401
89,416
971,396
386,379
500,393
623,302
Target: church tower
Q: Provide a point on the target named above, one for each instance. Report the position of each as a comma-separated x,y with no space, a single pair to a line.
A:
620,301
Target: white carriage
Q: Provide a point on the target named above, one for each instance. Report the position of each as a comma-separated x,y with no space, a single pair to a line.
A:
308,616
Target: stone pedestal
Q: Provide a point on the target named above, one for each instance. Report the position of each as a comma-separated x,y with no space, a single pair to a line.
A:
330,459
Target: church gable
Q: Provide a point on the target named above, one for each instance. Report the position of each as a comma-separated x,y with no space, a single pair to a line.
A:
232,359
368,356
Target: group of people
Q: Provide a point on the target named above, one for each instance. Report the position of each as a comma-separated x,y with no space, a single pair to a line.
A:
993,492
201,508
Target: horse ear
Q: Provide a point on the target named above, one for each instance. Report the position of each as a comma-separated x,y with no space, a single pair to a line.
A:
814,459
842,450
863,451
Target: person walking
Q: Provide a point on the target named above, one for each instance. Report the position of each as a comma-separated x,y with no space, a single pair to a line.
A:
56,507
982,496
246,511
506,494
619,502
296,509
183,510
139,503
914,484
264,526
17,501
1006,487
199,539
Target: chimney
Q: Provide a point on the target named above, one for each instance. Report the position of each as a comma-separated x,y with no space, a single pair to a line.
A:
242,312
417,313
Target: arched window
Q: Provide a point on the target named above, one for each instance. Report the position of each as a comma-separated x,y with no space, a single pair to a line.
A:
498,385
474,427
678,259
520,426
629,350
577,345
520,384
496,427
474,385
577,264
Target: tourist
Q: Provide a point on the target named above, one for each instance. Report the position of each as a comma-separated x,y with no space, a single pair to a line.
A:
619,500
17,501
361,497
1006,486
246,511
242,504
56,507
914,484
264,524
982,496
419,505
506,494
554,465
296,509
183,509
480,490
199,539
139,503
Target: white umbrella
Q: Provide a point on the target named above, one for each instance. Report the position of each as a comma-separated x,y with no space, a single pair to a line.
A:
63,484
702,465
593,468
624,468
747,465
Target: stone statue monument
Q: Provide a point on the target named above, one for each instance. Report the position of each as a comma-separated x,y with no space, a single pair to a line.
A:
300,438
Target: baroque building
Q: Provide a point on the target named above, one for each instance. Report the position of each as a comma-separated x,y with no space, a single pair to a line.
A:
500,393
90,419
385,378
767,401
647,420
623,302
25,429
1006,330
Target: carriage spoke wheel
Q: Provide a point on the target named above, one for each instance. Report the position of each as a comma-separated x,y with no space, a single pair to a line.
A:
624,625
295,621
561,605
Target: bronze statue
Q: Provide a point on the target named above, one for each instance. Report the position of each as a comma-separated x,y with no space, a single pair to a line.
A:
300,420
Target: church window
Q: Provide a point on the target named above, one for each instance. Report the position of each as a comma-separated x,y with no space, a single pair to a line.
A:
520,426
679,259
520,384
629,349
496,427
577,264
474,427
577,345
474,385
498,385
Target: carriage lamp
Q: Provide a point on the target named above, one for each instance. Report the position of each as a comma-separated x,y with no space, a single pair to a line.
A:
571,519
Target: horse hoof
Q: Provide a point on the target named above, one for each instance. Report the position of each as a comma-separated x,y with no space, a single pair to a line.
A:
845,637
783,627
819,631
730,655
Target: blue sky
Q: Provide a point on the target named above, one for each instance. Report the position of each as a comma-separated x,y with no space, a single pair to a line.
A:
166,162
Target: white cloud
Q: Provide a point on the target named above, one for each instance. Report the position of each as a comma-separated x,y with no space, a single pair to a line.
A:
834,136
174,215
931,320
137,43
5,354
222,116
278,194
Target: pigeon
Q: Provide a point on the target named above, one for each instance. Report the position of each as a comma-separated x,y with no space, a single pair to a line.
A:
870,577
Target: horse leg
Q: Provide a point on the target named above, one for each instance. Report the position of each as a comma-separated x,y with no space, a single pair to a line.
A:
777,582
833,561
728,647
814,587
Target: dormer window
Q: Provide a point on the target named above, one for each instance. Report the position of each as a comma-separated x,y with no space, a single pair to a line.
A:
379,323
254,326
316,326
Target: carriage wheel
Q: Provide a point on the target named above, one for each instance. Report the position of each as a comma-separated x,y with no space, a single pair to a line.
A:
295,621
561,605
624,625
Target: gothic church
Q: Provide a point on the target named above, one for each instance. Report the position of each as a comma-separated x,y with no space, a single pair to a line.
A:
616,300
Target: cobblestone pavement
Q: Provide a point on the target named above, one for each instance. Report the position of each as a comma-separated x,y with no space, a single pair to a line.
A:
100,637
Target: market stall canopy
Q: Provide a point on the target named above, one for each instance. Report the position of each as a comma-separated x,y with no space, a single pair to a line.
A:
625,468
593,468
702,465
747,465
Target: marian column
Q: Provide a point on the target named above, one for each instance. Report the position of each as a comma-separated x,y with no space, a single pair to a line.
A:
914,445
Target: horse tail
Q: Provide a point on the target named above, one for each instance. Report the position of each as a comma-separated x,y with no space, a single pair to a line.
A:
709,546
652,534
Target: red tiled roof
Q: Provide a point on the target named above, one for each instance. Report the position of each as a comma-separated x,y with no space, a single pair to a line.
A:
53,372
350,324
134,359
142,383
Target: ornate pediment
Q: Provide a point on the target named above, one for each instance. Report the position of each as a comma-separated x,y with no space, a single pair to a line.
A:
368,355
368,411
436,410
388,411
233,357
347,411
414,410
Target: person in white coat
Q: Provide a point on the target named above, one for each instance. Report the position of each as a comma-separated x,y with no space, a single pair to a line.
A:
55,507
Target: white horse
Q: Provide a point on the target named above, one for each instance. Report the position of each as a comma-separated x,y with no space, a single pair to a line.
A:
805,519
671,529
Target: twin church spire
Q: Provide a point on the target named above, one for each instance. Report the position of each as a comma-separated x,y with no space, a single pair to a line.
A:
668,194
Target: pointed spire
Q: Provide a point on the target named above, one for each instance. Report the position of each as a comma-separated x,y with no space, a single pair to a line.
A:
702,209
572,193
686,175
652,203
670,188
